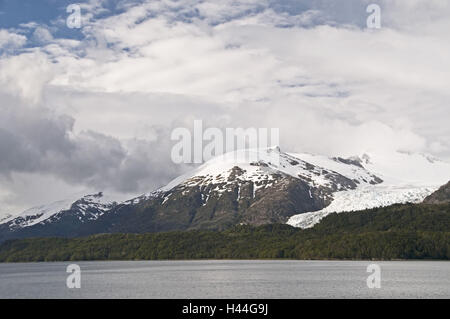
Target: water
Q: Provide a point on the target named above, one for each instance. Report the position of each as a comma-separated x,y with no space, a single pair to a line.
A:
227,279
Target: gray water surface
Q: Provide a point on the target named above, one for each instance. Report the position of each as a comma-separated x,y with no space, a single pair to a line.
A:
227,279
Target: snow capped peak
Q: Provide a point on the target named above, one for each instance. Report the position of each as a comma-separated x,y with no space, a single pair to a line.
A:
41,213
222,165
101,198
262,164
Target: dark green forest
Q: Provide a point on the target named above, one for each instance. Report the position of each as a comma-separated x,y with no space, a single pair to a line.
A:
401,231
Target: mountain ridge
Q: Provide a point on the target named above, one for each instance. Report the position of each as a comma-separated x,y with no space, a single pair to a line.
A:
299,189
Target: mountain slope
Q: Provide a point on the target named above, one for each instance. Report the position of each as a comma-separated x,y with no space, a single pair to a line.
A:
407,178
442,195
253,187
63,218
232,190
267,186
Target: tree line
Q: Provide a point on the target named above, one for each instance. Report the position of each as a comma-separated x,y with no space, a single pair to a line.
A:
408,231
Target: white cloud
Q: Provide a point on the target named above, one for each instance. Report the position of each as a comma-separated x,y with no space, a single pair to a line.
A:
42,35
354,74
332,86
10,40
25,75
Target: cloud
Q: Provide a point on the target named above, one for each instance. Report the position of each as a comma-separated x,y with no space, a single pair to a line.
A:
99,111
25,75
246,58
9,40
42,35
36,140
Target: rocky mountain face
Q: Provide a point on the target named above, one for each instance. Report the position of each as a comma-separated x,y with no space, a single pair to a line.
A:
64,218
275,187
223,192
441,196
229,191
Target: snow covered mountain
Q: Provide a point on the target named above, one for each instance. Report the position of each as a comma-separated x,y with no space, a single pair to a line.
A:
232,189
253,187
89,207
406,178
56,219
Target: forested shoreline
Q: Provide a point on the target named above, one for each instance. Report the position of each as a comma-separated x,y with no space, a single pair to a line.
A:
401,231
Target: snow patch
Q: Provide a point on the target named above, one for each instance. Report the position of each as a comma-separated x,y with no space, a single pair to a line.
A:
364,198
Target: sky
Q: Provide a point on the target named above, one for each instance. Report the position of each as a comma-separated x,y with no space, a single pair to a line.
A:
92,109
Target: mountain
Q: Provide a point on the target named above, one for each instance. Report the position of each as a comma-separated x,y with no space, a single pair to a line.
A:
267,187
62,218
442,195
407,178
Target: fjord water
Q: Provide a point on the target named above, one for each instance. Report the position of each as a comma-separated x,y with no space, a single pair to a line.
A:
227,279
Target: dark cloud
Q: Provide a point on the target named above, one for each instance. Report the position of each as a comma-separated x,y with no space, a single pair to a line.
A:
36,140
